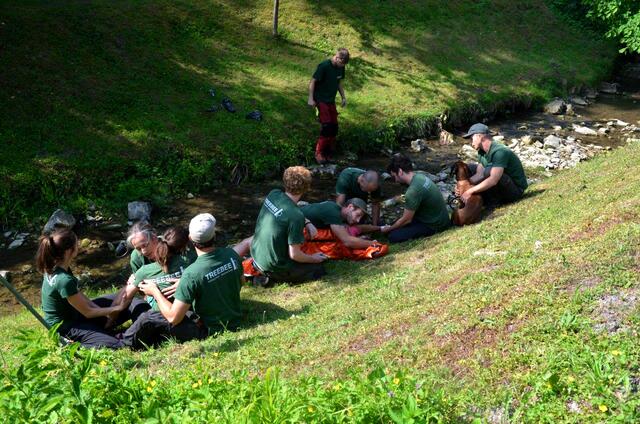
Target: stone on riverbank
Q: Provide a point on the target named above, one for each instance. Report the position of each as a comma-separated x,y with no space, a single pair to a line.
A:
139,211
584,130
59,219
556,107
552,142
610,87
578,101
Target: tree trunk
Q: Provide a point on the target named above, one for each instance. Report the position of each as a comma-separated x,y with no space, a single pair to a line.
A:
276,6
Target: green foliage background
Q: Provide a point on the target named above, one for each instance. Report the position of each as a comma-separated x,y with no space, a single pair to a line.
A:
104,101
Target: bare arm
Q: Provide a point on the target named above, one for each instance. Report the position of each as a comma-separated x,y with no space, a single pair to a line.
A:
88,309
375,213
350,241
243,248
406,218
478,176
173,312
341,91
494,176
367,228
341,199
296,254
312,87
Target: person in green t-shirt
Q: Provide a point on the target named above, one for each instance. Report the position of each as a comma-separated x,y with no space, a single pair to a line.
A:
276,244
358,183
331,215
151,327
425,211
81,319
323,87
499,177
211,286
143,238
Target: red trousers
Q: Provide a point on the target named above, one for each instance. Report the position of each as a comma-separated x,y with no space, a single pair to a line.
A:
328,117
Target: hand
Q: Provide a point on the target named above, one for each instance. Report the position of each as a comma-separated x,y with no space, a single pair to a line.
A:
131,280
149,288
117,309
385,229
344,102
320,257
311,102
465,196
111,319
457,191
169,291
312,231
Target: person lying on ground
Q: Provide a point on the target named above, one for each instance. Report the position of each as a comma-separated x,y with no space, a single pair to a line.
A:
361,184
425,212
323,87
330,215
210,286
81,319
279,234
499,177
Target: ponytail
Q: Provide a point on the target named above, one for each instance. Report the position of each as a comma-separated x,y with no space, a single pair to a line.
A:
52,248
171,243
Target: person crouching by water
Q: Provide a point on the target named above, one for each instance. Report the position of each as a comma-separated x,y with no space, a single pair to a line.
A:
151,328
499,177
83,320
425,212
211,285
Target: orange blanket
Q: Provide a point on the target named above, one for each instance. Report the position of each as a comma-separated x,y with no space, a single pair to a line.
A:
325,242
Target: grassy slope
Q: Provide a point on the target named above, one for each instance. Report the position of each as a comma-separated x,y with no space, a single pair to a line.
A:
497,314
103,101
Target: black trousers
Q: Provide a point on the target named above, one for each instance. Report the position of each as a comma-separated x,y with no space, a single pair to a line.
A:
152,328
506,191
413,230
91,332
298,273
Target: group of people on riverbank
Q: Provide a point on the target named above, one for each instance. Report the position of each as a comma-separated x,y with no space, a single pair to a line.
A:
191,286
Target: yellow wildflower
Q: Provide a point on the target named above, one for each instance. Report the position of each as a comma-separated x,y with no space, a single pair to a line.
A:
210,380
153,383
216,354
603,408
396,381
349,413
570,379
194,386
103,363
199,382
337,387
311,409
616,352
149,389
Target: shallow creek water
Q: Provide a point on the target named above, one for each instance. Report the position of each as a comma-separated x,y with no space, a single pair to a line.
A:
236,207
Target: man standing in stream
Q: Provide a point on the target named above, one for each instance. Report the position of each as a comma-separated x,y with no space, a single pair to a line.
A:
323,87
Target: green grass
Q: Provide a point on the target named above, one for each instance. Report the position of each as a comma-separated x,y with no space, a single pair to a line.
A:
103,101
497,318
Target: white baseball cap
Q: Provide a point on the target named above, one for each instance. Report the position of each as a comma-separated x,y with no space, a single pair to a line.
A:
202,228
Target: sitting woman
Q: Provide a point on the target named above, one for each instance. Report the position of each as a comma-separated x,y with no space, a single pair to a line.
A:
83,320
152,328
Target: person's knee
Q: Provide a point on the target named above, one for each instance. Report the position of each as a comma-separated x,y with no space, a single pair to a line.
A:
397,236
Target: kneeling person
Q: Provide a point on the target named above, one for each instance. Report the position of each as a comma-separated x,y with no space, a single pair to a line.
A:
499,177
331,215
279,235
211,285
425,212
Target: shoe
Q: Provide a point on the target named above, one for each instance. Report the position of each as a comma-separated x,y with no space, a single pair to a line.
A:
256,115
260,281
226,103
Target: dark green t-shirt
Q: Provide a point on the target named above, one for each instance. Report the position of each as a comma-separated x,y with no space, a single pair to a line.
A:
501,156
347,184
153,271
323,214
56,288
138,260
211,285
327,77
424,198
280,223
